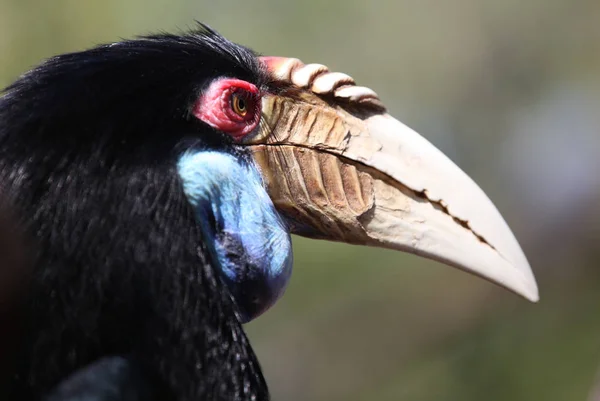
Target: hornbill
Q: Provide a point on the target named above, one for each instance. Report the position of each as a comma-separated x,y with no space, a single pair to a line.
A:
155,183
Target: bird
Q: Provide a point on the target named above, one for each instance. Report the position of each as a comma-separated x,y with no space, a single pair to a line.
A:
155,184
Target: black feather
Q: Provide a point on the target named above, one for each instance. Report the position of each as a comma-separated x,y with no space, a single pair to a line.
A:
88,144
110,379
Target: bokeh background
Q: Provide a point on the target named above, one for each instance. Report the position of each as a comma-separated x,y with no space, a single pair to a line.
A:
508,89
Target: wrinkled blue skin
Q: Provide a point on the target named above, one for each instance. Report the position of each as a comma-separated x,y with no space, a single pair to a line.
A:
239,222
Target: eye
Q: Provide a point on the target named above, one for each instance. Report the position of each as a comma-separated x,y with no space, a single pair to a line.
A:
239,104
230,105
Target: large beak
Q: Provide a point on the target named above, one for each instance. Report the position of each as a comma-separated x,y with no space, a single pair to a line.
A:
338,167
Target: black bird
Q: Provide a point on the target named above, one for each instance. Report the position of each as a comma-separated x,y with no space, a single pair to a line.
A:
155,183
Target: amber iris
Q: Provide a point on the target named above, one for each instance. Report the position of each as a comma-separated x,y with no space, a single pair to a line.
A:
239,104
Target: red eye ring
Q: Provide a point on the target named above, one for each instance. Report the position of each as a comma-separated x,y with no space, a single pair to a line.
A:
230,105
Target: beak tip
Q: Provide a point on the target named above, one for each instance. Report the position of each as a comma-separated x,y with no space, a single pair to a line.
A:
531,292
529,287
524,284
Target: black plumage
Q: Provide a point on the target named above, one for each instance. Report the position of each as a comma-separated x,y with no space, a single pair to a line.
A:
88,143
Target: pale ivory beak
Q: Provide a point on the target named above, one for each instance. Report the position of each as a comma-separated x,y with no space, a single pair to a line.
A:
339,168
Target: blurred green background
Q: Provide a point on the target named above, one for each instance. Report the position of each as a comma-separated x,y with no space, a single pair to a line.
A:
508,89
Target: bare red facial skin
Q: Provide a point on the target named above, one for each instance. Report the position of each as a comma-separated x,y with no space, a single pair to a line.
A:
219,107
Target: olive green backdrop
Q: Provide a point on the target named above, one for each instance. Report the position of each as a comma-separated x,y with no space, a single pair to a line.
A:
511,91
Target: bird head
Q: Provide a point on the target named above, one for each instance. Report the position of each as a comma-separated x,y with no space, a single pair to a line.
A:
103,144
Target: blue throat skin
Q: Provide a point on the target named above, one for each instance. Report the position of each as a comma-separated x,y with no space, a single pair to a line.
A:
244,232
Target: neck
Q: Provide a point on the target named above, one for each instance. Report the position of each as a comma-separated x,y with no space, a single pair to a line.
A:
122,274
